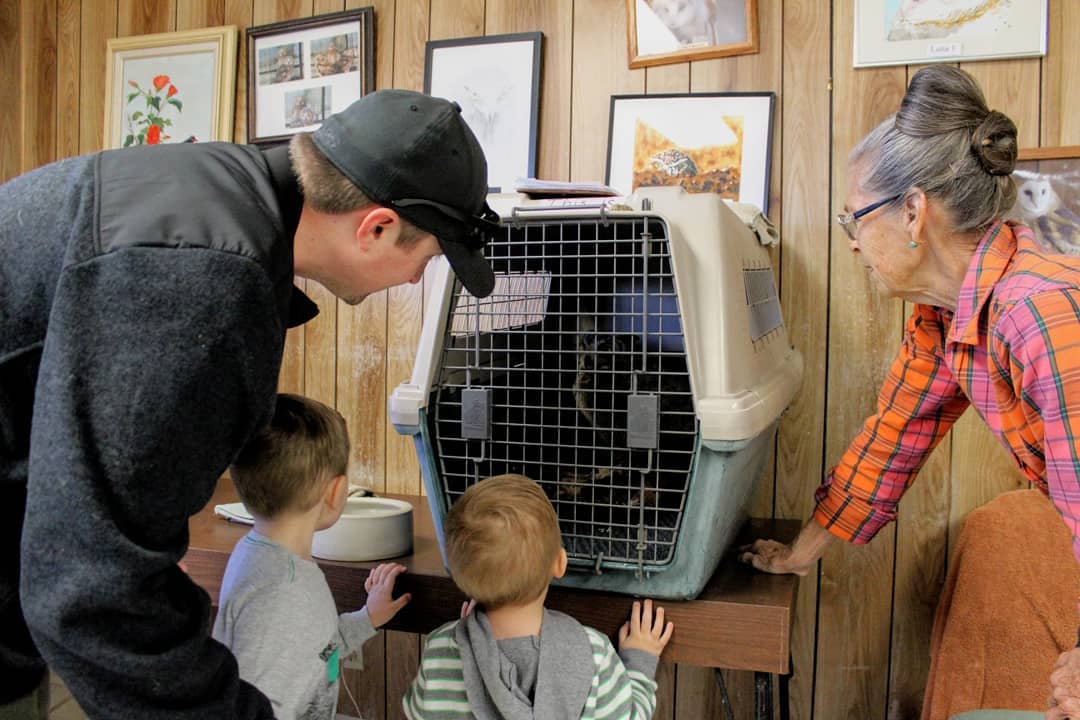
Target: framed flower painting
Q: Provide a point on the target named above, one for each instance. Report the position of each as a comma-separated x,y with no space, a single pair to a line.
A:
170,87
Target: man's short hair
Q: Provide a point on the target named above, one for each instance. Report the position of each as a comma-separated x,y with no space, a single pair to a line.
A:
328,191
502,539
288,463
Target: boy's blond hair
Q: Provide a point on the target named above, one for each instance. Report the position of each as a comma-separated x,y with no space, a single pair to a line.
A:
502,540
288,463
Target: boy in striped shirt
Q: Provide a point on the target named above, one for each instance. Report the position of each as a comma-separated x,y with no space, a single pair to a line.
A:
511,658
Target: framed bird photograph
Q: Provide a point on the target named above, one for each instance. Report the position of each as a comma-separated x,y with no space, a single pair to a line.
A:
1048,196
704,142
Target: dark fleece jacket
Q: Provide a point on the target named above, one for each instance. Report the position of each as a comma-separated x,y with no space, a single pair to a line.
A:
144,298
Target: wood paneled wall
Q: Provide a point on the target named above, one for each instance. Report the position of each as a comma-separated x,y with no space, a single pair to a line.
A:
862,632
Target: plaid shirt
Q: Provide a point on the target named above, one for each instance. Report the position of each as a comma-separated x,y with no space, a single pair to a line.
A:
1012,349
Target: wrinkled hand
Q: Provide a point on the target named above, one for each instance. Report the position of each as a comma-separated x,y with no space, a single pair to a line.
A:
381,605
644,630
773,557
1065,687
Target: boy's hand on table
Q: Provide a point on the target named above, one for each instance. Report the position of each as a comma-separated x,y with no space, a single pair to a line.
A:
381,605
645,630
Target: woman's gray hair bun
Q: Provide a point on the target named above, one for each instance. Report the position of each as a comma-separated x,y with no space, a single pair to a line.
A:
994,144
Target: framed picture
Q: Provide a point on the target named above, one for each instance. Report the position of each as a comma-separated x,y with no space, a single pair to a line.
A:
170,87
705,142
301,71
1048,196
904,32
673,31
496,81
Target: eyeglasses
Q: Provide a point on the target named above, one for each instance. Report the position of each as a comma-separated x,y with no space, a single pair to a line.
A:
848,221
478,228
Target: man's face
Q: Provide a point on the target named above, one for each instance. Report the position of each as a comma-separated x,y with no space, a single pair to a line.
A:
386,264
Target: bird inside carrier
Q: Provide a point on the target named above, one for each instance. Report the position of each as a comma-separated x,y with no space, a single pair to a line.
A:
632,361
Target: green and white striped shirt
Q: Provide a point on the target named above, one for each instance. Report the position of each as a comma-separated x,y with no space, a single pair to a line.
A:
438,692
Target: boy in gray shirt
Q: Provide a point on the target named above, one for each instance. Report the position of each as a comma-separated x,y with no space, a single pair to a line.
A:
511,658
276,612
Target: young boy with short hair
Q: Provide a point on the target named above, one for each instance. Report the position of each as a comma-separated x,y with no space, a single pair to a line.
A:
510,657
276,611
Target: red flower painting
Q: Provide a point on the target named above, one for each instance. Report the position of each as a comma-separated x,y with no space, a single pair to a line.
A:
146,119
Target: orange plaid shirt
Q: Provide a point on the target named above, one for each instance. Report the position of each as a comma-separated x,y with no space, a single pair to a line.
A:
1012,349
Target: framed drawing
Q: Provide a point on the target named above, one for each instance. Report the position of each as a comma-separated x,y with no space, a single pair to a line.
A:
904,32
496,81
170,87
673,31
1048,196
705,142
301,71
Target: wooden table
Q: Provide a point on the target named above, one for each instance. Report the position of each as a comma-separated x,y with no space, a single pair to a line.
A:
740,621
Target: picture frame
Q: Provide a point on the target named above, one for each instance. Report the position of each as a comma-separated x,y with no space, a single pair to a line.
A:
496,81
1048,196
674,31
704,142
170,87
898,32
302,71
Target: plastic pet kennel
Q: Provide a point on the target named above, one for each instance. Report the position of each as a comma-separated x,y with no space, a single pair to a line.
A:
632,360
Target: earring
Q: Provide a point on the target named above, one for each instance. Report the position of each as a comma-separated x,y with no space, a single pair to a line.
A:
912,244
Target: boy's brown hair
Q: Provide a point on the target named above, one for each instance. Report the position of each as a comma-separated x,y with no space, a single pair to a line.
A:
288,463
502,539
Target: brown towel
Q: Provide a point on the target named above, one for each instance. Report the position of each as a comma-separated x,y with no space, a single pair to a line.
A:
1008,609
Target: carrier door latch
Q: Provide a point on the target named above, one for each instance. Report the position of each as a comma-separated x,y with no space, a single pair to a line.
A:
476,413
642,421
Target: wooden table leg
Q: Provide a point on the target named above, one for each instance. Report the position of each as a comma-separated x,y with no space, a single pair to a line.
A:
725,700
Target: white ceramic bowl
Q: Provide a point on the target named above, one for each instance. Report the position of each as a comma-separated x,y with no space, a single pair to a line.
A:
370,528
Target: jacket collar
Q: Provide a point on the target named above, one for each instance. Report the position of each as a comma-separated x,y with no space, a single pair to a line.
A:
290,203
992,257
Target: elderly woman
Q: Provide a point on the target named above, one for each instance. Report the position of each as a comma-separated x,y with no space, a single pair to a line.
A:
996,324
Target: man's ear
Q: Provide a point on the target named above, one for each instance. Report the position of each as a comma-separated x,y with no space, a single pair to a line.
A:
378,223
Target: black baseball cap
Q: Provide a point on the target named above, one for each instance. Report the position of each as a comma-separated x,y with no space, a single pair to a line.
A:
415,154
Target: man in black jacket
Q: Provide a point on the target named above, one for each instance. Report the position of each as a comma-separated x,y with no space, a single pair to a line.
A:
144,299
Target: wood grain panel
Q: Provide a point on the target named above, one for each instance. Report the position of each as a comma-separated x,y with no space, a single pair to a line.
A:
99,22
403,660
456,19
1060,97
554,18
599,25
665,691
239,13
37,26
68,90
367,686
855,582
673,78
143,17
10,78
804,284
405,303
193,14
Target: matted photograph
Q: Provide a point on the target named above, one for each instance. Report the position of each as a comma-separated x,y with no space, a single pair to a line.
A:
281,63
496,81
335,55
905,32
302,71
170,87
705,142
1048,196
674,31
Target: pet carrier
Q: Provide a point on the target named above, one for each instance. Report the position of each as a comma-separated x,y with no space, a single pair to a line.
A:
632,360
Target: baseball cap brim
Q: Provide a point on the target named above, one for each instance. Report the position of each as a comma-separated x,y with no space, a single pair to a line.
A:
462,238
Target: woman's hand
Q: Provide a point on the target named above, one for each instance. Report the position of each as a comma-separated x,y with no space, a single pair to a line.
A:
796,559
